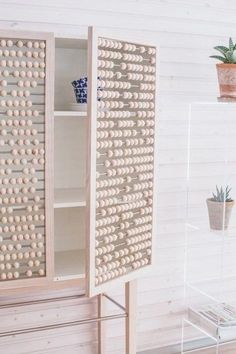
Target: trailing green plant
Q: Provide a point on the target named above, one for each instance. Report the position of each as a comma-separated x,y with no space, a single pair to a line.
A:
228,53
222,195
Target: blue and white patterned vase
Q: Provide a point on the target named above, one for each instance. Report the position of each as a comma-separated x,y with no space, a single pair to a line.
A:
81,89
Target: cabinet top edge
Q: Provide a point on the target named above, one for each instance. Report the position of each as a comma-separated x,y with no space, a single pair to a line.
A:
26,34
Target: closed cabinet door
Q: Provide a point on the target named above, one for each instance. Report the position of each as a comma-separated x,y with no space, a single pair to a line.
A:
26,112
121,175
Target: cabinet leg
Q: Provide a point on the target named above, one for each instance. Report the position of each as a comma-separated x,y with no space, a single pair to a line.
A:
101,325
130,325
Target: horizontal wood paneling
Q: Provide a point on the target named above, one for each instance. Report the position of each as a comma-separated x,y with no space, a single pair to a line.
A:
186,31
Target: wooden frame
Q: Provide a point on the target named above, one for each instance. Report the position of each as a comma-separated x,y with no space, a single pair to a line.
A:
91,289
49,98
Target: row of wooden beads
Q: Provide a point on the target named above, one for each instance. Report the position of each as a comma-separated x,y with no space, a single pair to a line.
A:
140,246
105,134
109,64
30,190
27,83
143,220
20,54
29,151
123,207
24,161
127,47
110,124
19,246
22,63
4,93
121,104
121,258
17,265
21,255
140,231
137,58
142,262
126,161
137,95
122,171
108,192
124,225
125,95
108,266
120,180
21,218
124,216
20,44
133,240
24,218
116,143
130,47
25,171
17,113
114,84
14,181
122,85
17,200
17,102
140,104
110,275
107,74
23,74
19,180
109,43
137,67
130,151
144,236
20,132
26,237
147,87
126,133
16,275
109,54
125,114
18,228
118,255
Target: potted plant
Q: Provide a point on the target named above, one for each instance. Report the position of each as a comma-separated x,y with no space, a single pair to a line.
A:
227,69
219,208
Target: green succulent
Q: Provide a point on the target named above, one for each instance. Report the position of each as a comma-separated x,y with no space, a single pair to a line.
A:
222,195
228,53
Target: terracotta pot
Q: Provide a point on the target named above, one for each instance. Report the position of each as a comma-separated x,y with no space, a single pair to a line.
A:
219,214
227,79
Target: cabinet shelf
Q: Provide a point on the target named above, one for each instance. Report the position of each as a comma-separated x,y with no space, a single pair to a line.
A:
69,198
70,114
69,265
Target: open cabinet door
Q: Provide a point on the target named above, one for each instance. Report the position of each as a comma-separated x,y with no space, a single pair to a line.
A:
26,116
121,176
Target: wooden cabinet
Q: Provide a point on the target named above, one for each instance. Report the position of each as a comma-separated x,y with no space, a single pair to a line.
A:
78,189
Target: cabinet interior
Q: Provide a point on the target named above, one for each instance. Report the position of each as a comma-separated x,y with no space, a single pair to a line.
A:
69,161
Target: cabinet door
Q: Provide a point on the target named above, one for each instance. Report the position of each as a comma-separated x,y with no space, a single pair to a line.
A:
26,113
121,196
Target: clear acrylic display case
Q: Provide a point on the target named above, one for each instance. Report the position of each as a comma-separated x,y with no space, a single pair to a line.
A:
209,322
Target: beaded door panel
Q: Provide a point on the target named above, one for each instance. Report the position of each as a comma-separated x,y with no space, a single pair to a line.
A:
124,159
22,158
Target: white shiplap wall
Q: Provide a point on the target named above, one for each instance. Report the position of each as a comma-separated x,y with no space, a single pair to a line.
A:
185,30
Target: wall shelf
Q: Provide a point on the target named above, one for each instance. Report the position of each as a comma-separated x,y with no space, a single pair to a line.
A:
69,198
70,114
